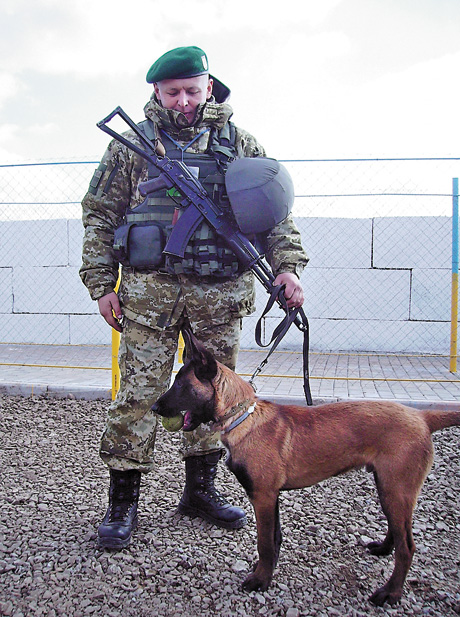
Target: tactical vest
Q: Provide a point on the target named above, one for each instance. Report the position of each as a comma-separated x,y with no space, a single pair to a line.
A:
206,253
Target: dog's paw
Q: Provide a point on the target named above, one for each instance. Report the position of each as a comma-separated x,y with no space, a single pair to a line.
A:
383,594
379,548
255,583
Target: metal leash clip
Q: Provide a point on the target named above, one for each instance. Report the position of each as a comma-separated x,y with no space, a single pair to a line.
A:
256,372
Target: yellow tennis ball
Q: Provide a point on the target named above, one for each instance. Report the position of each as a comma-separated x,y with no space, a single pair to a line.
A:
173,424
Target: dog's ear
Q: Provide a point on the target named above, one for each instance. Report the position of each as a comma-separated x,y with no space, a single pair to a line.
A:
205,366
190,343
204,363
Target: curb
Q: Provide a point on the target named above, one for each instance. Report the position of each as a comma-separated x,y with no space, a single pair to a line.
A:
101,393
73,392
416,404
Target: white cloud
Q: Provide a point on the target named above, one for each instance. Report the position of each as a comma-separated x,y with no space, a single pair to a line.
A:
298,70
261,16
109,37
302,58
8,132
41,130
82,37
9,87
410,111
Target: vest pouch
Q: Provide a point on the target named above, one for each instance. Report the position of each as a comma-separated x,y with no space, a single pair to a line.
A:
120,244
139,245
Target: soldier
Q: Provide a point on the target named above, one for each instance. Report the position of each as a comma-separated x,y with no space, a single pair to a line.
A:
188,118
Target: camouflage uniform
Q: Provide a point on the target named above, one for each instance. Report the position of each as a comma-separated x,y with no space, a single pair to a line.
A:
213,306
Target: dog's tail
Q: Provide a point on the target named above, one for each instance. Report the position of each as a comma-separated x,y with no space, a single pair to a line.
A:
437,419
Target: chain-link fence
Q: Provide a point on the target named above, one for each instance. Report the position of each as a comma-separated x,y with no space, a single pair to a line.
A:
378,233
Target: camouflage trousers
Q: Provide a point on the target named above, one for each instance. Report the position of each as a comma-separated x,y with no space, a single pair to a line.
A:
146,360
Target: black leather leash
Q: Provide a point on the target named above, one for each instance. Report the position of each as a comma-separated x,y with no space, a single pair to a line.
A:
277,294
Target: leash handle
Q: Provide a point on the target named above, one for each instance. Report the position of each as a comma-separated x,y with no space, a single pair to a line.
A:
296,316
277,294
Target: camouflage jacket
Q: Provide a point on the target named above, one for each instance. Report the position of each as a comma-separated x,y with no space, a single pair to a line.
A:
147,295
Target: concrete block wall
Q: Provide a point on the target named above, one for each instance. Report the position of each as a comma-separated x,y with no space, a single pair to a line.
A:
42,299
381,284
378,284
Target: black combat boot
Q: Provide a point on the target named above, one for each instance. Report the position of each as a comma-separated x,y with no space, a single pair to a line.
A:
201,498
121,517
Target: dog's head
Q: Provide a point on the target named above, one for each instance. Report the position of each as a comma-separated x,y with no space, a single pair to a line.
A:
192,391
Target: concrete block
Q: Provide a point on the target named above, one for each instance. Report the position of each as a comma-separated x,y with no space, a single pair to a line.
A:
431,295
357,294
34,243
6,290
89,330
50,290
35,328
358,335
337,243
385,336
412,242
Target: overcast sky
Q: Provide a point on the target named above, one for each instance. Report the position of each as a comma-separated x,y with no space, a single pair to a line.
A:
309,78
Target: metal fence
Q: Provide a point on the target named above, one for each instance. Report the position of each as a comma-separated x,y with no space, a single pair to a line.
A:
378,232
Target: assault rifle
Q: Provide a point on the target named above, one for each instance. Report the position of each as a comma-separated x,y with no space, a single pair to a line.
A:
196,205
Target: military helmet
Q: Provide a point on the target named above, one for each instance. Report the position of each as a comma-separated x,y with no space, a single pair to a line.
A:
261,193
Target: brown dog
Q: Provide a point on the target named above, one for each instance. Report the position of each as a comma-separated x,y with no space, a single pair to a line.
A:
280,447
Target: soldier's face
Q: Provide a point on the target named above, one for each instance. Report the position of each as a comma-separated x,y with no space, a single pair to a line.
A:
184,95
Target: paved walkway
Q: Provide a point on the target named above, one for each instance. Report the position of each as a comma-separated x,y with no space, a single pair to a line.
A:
85,372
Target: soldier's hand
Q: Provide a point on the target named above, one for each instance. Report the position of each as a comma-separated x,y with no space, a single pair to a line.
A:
293,291
109,308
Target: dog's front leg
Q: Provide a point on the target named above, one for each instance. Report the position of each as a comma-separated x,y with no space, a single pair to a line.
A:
266,509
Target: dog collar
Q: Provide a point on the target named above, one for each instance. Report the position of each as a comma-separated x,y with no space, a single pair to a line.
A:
241,419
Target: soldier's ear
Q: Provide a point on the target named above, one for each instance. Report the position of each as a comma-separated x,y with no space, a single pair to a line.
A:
209,88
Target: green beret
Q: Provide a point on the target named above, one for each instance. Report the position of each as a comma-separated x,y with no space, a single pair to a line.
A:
179,63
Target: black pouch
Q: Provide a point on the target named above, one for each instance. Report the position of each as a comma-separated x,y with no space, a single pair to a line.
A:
139,245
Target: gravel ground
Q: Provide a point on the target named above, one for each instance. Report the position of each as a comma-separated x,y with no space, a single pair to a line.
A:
53,495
